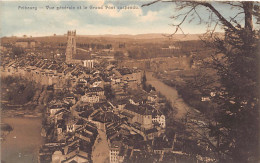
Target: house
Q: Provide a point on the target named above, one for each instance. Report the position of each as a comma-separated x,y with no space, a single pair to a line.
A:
124,154
55,108
205,98
107,81
152,98
142,114
91,98
115,82
70,124
25,43
119,105
88,63
129,75
151,133
135,101
70,99
71,153
83,82
114,151
96,90
96,82
59,114
162,145
105,117
158,117
121,96
77,158
128,116
61,129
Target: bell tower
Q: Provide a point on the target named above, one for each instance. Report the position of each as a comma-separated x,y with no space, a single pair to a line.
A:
71,46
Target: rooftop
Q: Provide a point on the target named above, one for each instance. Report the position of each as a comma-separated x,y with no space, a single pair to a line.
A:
143,109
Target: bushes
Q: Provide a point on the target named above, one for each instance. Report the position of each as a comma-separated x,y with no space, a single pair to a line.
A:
20,91
8,80
6,127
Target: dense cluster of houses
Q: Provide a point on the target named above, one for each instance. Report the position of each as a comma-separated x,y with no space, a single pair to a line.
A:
91,97
105,98
72,123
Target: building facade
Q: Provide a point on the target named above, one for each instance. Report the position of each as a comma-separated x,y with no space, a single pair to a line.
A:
25,43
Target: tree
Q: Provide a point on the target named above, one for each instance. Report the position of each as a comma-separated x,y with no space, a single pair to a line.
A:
109,93
232,131
144,78
144,84
6,127
17,51
119,55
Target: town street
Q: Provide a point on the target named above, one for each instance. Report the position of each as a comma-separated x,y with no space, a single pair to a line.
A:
101,149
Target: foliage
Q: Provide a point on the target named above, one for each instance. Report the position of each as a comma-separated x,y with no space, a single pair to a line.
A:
17,51
8,80
147,88
232,131
109,93
92,45
119,55
237,119
6,127
20,91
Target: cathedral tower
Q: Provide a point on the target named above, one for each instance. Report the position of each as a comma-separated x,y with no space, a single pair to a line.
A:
71,46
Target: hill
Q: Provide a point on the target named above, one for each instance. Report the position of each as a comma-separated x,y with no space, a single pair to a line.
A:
158,37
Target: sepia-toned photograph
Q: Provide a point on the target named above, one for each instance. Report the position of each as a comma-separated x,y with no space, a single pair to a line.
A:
126,81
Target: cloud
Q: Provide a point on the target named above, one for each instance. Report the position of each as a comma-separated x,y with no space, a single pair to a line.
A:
72,22
124,11
116,18
27,21
150,16
96,3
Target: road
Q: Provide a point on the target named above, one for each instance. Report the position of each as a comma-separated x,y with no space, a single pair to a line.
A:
100,152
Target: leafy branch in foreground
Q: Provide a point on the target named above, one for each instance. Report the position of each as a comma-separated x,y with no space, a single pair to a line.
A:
232,130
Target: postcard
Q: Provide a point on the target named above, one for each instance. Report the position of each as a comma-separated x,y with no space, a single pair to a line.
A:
125,81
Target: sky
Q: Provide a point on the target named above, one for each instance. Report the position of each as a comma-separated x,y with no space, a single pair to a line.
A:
46,18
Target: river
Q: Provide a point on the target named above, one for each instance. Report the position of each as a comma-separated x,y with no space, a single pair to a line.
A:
170,93
22,144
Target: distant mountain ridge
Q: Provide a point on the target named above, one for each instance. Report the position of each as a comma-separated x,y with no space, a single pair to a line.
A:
148,36
136,37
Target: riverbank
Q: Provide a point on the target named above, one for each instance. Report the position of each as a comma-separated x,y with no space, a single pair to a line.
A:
31,111
22,98
28,111
5,130
22,143
170,93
